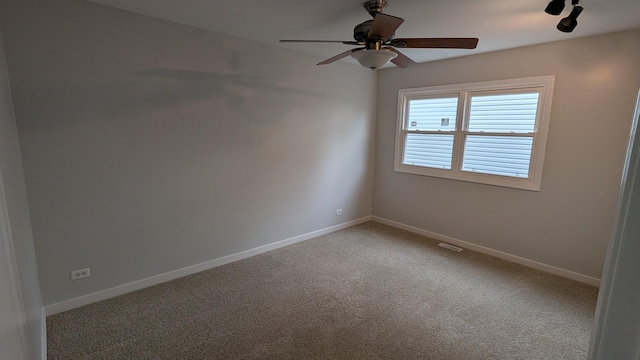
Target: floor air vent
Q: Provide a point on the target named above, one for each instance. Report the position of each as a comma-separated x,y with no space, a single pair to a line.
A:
450,247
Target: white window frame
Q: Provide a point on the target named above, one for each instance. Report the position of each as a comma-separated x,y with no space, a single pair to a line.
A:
542,84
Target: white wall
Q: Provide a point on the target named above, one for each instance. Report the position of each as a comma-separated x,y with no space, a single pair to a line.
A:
21,320
568,223
150,146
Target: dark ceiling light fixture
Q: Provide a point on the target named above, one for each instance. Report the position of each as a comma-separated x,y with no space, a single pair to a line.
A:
570,22
555,7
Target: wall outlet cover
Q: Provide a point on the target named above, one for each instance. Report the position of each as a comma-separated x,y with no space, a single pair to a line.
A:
79,274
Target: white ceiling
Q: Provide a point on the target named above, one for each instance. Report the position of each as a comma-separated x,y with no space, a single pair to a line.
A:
499,24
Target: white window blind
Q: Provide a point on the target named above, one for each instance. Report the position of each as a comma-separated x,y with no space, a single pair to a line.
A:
498,155
433,114
431,123
492,132
504,113
429,150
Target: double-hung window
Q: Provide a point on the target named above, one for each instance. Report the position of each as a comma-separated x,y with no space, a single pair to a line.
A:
490,132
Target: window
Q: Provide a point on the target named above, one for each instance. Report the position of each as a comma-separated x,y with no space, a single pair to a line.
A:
490,132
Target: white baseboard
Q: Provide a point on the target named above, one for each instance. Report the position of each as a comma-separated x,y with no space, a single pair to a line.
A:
43,333
495,253
157,279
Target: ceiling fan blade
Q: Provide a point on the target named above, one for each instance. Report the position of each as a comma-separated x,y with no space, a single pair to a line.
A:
322,41
384,26
402,60
337,57
441,43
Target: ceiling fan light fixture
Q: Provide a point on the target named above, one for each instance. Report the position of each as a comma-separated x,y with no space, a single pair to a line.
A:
555,7
570,22
373,58
379,44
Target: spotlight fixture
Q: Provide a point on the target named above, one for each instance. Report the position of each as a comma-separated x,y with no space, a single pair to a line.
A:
570,22
555,7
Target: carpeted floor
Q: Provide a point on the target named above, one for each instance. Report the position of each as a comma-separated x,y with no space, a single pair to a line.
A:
367,292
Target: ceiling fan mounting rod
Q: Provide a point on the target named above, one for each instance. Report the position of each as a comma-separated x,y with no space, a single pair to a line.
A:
374,45
374,7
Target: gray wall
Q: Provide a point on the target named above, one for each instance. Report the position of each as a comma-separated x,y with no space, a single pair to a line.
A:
617,320
19,222
568,223
150,146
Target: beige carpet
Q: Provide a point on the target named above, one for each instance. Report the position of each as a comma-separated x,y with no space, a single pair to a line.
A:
367,292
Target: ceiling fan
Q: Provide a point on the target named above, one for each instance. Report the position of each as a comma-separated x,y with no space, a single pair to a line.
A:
379,46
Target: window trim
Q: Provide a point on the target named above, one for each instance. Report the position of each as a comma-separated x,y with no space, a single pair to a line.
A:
543,84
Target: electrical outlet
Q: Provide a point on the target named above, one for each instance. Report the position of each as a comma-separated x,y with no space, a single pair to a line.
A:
79,274
338,212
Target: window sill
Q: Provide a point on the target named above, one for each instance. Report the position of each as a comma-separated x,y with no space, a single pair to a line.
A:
486,179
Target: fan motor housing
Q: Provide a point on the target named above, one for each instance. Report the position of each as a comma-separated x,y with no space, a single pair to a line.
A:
361,32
